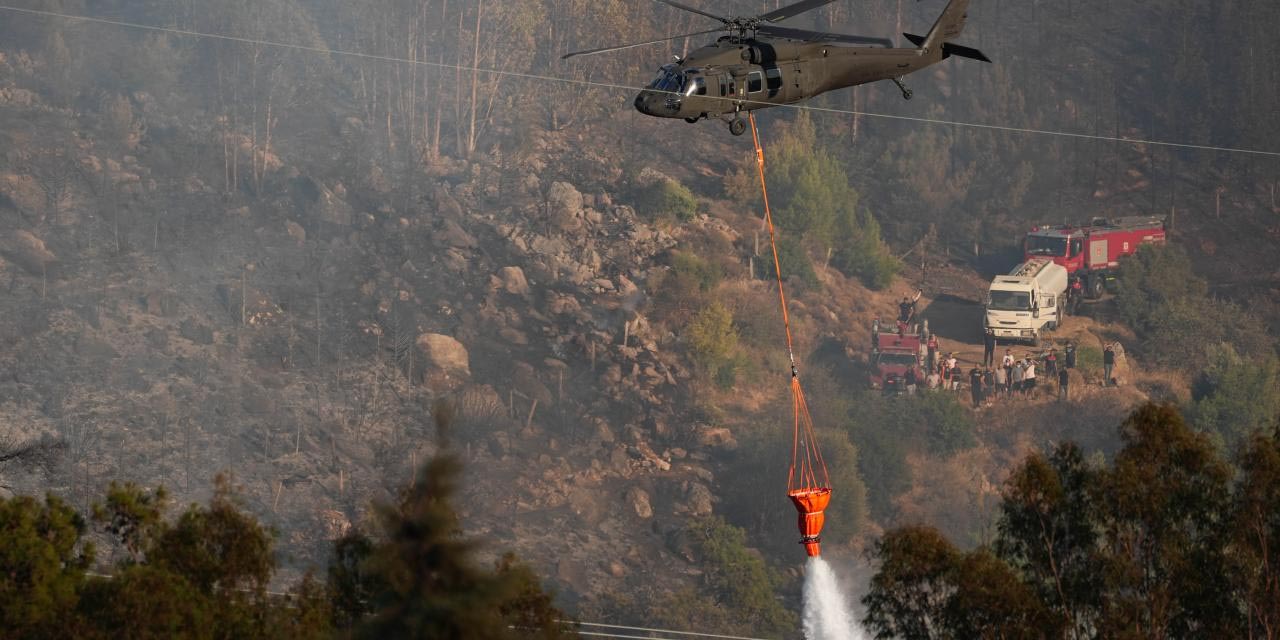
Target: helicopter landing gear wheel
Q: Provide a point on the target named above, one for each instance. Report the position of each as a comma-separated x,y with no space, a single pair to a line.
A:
906,93
737,126
692,120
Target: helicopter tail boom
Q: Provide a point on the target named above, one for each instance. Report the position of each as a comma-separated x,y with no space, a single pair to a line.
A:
951,49
948,26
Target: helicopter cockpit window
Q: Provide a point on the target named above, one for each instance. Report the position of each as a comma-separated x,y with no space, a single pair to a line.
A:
695,86
755,82
668,80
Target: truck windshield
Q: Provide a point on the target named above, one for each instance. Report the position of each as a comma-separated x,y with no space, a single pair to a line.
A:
1010,301
1046,246
898,359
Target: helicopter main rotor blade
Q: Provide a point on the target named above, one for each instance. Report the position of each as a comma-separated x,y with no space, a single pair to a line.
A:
638,44
792,10
697,11
818,36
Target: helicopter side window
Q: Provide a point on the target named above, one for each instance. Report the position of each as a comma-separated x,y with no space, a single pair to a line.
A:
698,87
755,82
773,79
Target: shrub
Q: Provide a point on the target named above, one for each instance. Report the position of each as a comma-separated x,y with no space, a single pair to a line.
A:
1168,306
668,199
794,261
713,343
1234,397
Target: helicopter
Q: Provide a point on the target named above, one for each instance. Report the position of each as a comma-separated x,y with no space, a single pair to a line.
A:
760,64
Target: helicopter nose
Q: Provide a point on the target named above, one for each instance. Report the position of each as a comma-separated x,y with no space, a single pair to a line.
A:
642,103
662,105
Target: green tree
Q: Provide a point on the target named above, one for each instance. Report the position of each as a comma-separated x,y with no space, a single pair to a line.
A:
910,591
42,564
1048,533
713,343
1254,527
423,581
794,261
668,199
1234,397
736,579
1168,306
1161,506
991,601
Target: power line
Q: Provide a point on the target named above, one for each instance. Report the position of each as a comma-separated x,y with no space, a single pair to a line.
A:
669,631
608,85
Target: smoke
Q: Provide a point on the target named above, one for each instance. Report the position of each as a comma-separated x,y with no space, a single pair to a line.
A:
826,612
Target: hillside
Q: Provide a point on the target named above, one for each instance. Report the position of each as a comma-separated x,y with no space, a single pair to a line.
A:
276,262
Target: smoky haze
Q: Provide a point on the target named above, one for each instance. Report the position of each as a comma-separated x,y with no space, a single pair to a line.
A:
220,254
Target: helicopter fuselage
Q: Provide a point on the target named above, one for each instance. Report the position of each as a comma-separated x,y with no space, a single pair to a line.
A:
736,74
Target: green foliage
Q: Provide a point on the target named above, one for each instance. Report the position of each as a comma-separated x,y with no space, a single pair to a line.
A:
737,578
42,564
683,288
706,275
909,593
1235,397
667,199
813,200
1046,532
756,501
1089,360
794,261
886,429
1162,543
861,253
1167,304
713,343
1255,532
423,581
205,573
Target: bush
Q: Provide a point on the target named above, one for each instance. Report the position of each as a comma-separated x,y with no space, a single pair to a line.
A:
1168,306
707,275
863,255
713,343
668,199
886,429
794,261
678,291
1234,397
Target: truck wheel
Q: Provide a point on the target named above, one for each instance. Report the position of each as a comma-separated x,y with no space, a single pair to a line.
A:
1096,287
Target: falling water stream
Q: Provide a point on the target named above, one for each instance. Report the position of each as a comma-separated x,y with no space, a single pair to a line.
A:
826,610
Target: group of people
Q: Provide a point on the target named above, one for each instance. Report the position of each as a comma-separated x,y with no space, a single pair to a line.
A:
988,381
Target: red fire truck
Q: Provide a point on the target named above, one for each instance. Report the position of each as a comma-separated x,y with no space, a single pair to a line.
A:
894,350
1091,253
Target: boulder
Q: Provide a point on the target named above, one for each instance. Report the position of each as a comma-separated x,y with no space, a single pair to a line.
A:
444,354
638,499
698,499
564,206
28,251
513,280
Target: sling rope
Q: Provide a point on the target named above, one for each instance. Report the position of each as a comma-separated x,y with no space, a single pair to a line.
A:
808,470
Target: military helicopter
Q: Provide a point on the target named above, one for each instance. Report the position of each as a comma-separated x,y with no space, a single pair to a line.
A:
759,64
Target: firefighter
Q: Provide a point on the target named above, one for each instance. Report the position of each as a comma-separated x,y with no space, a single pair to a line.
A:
1074,292
989,348
933,346
907,308
1063,380
1108,364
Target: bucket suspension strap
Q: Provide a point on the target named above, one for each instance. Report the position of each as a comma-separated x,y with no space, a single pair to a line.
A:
777,267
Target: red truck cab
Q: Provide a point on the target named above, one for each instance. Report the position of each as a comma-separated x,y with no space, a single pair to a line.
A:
1091,253
894,350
